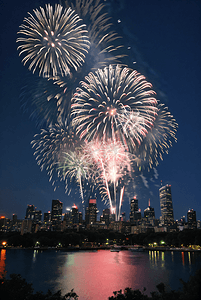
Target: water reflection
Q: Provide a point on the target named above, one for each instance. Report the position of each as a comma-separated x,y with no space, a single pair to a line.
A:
2,263
95,275
34,255
183,261
157,258
189,258
172,256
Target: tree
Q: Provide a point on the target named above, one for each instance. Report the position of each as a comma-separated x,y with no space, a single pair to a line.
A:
16,288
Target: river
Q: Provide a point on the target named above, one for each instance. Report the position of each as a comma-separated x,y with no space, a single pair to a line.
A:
94,275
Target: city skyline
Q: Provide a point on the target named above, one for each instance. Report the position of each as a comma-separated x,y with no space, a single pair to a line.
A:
166,216
170,56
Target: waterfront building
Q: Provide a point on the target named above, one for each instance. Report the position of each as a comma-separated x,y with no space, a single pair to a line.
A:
123,217
80,218
135,212
38,216
75,214
5,224
56,213
17,226
167,217
149,212
14,218
68,216
91,212
47,217
46,221
30,212
112,217
105,217
191,219
149,217
26,226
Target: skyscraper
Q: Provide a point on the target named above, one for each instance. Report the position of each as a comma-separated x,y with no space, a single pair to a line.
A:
38,216
56,213
75,214
30,212
149,212
167,217
191,219
68,216
91,212
47,217
135,213
106,216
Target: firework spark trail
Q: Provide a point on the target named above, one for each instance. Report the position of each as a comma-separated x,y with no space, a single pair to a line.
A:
158,140
42,98
105,47
113,163
49,147
104,97
95,151
120,202
54,95
53,41
73,165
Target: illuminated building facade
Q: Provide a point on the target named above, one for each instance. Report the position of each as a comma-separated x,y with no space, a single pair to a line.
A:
26,226
123,217
38,216
14,219
91,212
105,217
135,212
191,219
80,216
47,217
149,212
75,214
167,217
56,212
30,212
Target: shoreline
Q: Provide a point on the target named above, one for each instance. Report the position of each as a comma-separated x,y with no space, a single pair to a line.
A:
121,248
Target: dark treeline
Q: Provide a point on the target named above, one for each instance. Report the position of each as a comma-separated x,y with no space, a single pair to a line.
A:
87,238
16,288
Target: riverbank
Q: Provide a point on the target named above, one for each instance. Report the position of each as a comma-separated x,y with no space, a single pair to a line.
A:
121,248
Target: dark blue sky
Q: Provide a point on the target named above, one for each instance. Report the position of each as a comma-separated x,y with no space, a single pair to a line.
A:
165,41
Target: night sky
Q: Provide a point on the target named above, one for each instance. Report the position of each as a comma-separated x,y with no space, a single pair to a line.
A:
165,41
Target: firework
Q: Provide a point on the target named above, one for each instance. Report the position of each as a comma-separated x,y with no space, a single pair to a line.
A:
113,164
158,140
74,166
114,103
53,41
51,99
41,98
49,147
105,47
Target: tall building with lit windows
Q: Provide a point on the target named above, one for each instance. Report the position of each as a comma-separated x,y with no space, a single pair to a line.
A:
91,212
149,212
167,216
75,214
56,213
135,212
105,217
30,212
191,219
